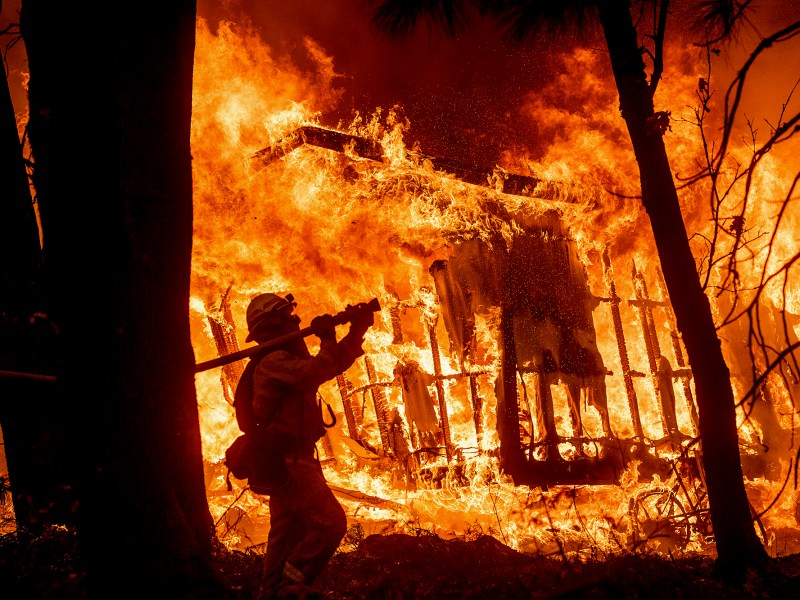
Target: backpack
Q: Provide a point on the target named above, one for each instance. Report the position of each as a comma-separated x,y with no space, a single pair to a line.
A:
239,457
254,455
243,400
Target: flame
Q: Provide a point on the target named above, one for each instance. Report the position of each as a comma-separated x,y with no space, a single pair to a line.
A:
335,228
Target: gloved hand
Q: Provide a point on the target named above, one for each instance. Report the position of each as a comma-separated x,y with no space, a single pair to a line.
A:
323,327
361,321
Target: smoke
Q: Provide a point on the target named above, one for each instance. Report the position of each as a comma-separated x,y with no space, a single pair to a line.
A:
466,96
463,95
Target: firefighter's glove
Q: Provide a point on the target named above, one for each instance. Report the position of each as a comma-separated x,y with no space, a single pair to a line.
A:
323,327
362,320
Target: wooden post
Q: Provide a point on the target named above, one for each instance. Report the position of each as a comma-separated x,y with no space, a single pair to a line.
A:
511,456
614,301
381,406
345,391
660,368
397,324
437,372
224,331
477,408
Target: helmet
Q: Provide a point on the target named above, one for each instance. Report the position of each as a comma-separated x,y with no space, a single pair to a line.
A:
263,310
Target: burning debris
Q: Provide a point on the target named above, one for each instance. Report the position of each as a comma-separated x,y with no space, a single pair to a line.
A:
223,330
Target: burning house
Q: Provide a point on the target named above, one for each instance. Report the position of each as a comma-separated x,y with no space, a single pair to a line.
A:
525,380
535,289
525,376
491,363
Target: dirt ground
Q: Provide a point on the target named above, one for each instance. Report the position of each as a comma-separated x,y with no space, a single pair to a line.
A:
425,566
403,567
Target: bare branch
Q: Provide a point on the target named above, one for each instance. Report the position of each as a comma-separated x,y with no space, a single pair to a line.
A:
772,366
733,96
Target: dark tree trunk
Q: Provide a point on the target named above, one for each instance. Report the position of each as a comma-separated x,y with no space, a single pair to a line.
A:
738,546
110,122
511,455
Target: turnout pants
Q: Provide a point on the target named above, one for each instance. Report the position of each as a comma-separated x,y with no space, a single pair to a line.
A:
307,524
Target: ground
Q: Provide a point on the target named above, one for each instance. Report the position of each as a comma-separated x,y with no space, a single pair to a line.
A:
400,567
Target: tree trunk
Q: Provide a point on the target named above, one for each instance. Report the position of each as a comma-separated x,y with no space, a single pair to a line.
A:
110,123
738,546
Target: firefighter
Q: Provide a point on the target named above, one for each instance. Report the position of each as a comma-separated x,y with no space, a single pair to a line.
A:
307,523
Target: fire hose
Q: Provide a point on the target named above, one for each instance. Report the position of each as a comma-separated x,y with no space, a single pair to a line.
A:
340,318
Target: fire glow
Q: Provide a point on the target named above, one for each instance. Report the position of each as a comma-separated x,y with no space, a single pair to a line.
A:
606,414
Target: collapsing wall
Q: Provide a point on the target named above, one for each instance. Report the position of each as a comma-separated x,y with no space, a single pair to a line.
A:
539,288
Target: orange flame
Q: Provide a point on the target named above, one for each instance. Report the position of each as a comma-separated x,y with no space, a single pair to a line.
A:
336,228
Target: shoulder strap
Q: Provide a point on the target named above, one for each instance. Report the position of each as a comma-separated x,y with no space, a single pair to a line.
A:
244,389
244,396
243,399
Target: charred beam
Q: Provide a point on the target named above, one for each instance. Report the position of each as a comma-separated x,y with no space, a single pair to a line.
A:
397,324
381,406
511,458
659,365
666,395
223,329
345,391
477,408
627,374
492,177
437,372
646,317
647,303
651,342
531,414
498,179
329,139
28,376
